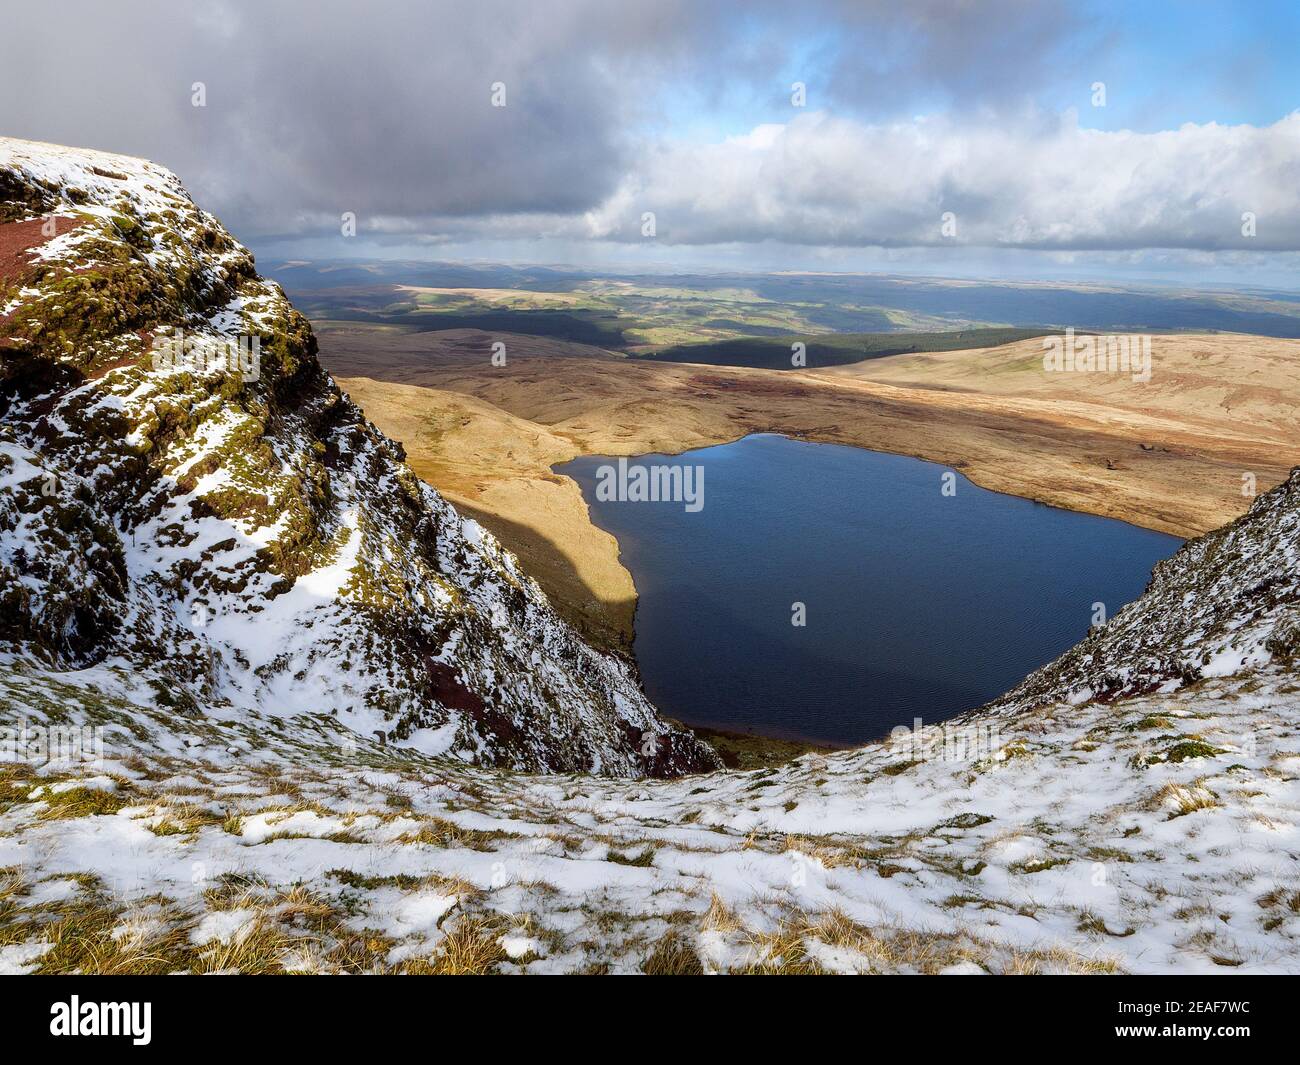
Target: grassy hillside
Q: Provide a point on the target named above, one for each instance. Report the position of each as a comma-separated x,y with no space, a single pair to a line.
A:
835,349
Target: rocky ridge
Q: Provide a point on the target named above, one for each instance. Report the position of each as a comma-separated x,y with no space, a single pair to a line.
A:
226,521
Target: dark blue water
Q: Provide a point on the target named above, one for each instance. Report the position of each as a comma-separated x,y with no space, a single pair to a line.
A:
917,604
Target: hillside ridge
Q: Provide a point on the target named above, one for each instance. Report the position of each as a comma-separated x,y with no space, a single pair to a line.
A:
186,489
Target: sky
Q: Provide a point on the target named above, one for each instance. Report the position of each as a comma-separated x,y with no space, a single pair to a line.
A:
994,138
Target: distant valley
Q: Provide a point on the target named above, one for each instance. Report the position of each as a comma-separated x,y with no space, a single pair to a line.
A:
664,315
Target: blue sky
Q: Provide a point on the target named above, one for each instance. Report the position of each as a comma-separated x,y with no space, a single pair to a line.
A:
1163,62
1166,63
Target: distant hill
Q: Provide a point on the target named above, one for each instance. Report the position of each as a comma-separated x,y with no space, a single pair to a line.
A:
659,311
836,349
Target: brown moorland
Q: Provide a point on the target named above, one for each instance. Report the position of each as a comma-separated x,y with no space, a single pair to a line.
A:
1171,454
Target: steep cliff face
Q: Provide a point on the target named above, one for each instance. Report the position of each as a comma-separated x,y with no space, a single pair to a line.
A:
184,490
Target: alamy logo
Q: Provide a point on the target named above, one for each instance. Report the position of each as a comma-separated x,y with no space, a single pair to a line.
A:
103,1018
945,743
625,483
64,746
1127,353
205,354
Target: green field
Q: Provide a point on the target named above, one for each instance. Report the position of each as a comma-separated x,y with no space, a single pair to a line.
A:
835,349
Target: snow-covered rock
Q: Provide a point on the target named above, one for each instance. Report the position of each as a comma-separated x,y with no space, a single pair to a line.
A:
1227,602
232,528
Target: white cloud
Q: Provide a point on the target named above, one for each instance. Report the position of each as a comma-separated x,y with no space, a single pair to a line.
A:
1035,182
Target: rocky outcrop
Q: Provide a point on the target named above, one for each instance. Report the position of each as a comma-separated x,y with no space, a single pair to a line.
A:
184,490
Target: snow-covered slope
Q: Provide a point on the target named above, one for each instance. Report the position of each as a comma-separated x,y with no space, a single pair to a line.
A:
1135,806
1152,834
232,527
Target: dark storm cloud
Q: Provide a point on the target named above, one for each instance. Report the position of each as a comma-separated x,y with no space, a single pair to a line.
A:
318,108
384,108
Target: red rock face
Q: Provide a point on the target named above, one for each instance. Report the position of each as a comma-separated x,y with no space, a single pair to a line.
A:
19,239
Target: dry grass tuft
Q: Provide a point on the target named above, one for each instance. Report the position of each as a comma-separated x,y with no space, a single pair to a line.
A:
1058,960
80,802
672,956
438,832
469,949
259,949
719,917
830,856
1184,800
87,935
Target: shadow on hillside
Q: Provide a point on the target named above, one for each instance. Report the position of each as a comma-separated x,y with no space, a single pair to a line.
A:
605,623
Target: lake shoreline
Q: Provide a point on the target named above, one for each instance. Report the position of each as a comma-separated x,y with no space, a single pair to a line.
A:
929,594
1160,459
751,748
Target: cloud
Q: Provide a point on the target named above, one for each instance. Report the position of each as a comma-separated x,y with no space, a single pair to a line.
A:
317,107
1037,182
